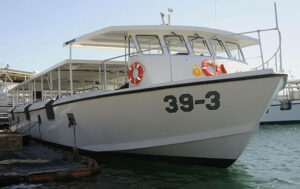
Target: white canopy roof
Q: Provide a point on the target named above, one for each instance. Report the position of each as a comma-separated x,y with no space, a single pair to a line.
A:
83,70
114,36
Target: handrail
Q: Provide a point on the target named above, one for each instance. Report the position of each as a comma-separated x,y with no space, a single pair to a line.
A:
266,62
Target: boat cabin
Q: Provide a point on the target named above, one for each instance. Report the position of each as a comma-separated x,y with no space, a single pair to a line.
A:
152,55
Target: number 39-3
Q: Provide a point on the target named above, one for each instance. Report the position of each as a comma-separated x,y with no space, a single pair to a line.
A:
187,102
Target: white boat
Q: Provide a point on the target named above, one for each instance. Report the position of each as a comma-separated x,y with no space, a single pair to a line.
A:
285,107
9,78
191,95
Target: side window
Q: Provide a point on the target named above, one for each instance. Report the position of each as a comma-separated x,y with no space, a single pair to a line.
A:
149,44
235,51
132,49
176,45
219,49
199,46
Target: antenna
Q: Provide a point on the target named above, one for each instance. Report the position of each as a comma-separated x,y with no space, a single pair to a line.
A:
169,11
162,18
279,34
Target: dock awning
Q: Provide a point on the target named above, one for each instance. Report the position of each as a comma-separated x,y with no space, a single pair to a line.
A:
11,75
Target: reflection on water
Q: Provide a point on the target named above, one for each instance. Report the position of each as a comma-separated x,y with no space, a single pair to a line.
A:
271,160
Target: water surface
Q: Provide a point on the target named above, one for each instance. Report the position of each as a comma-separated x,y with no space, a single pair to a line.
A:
271,160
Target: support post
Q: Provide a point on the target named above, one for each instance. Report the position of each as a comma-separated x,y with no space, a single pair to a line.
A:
5,81
34,91
100,76
51,86
23,95
261,52
105,79
42,88
70,52
59,82
17,96
279,33
30,93
125,65
71,79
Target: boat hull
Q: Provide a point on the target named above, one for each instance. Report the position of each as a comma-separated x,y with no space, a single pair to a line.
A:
276,115
199,120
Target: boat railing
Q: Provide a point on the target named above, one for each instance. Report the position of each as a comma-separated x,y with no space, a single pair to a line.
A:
277,53
273,62
288,93
276,58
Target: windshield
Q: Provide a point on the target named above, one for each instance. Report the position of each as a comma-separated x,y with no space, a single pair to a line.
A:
176,45
219,49
235,51
199,46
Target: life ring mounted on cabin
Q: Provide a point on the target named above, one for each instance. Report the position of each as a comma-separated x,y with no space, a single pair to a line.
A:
134,77
220,68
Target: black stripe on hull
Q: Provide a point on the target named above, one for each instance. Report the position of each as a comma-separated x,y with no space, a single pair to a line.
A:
210,162
279,122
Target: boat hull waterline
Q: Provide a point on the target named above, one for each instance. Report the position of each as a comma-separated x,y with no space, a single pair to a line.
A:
205,120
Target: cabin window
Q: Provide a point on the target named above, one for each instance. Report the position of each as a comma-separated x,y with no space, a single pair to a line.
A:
132,49
199,46
219,49
176,45
235,51
149,44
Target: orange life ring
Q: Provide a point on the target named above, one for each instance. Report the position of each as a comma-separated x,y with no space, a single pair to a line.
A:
140,68
220,68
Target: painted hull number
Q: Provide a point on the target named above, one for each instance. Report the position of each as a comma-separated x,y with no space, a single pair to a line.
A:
187,102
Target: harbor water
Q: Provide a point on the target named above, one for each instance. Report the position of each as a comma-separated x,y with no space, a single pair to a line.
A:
271,160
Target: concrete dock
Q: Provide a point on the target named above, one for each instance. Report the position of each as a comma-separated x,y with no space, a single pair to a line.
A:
35,163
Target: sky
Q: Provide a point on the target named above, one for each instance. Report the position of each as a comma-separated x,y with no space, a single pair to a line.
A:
32,31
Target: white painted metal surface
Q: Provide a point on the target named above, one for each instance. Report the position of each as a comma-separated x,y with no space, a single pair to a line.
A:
138,122
275,115
171,112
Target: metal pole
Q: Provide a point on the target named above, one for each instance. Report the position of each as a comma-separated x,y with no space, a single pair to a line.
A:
34,92
279,33
51,85
71,79
17,96
70,52
13,98
275,7
59,82
23,95
125,67
5,82
29,89
42,88
105,79
280,55
261,52
100,76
